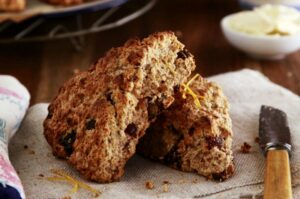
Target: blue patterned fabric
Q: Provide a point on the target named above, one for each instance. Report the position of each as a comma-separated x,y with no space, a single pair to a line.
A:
9,192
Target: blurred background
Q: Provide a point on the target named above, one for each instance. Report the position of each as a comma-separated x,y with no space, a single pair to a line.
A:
43,66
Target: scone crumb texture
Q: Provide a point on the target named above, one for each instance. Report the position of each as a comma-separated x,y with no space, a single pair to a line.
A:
149,185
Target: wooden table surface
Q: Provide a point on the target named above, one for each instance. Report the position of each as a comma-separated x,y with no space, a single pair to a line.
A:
43,67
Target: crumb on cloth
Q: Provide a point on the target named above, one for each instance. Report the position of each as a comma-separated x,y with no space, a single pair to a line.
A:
165,188
149,185
245,148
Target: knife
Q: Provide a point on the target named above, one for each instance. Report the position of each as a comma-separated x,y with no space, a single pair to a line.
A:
275,142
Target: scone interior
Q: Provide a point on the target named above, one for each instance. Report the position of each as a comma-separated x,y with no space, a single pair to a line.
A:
195,133
99,115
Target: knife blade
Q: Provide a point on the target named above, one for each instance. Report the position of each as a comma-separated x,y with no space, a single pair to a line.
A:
274,131
275,142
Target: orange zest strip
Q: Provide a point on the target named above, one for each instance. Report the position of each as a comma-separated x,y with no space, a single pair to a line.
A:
191,92
61,175
188,84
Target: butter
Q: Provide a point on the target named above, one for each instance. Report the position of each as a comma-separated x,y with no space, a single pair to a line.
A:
269,20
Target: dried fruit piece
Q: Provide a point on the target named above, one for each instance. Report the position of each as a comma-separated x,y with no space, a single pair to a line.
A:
214,141
67,141
131,129
183,54
109,98
149,185
91,124
245,148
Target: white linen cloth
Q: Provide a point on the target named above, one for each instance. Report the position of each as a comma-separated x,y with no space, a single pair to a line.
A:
246,90
14,101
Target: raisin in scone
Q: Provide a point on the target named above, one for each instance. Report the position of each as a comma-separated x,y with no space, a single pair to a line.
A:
12,5
99,115
195,133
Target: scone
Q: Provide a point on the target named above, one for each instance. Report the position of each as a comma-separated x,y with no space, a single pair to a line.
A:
195,133
65,2
12,5
99,115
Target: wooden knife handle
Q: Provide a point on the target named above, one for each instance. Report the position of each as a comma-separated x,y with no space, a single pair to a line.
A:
278,175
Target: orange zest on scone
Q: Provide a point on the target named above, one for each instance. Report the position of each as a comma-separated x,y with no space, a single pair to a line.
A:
195,133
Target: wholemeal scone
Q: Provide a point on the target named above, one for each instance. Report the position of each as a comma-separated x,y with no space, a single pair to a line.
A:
195,133
12,5
65,2
99,115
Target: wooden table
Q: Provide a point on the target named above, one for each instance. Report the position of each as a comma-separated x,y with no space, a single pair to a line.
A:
43,67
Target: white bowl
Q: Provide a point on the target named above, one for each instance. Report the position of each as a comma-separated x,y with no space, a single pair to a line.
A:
261,47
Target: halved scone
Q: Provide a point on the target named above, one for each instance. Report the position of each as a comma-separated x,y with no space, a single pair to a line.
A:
99,115
195,133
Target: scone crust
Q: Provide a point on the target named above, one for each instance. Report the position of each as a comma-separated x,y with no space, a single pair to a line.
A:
65,2
192,138
99,115
12,5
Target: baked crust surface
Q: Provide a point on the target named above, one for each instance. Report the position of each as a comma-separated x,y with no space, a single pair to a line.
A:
99,115
65,2
12,5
